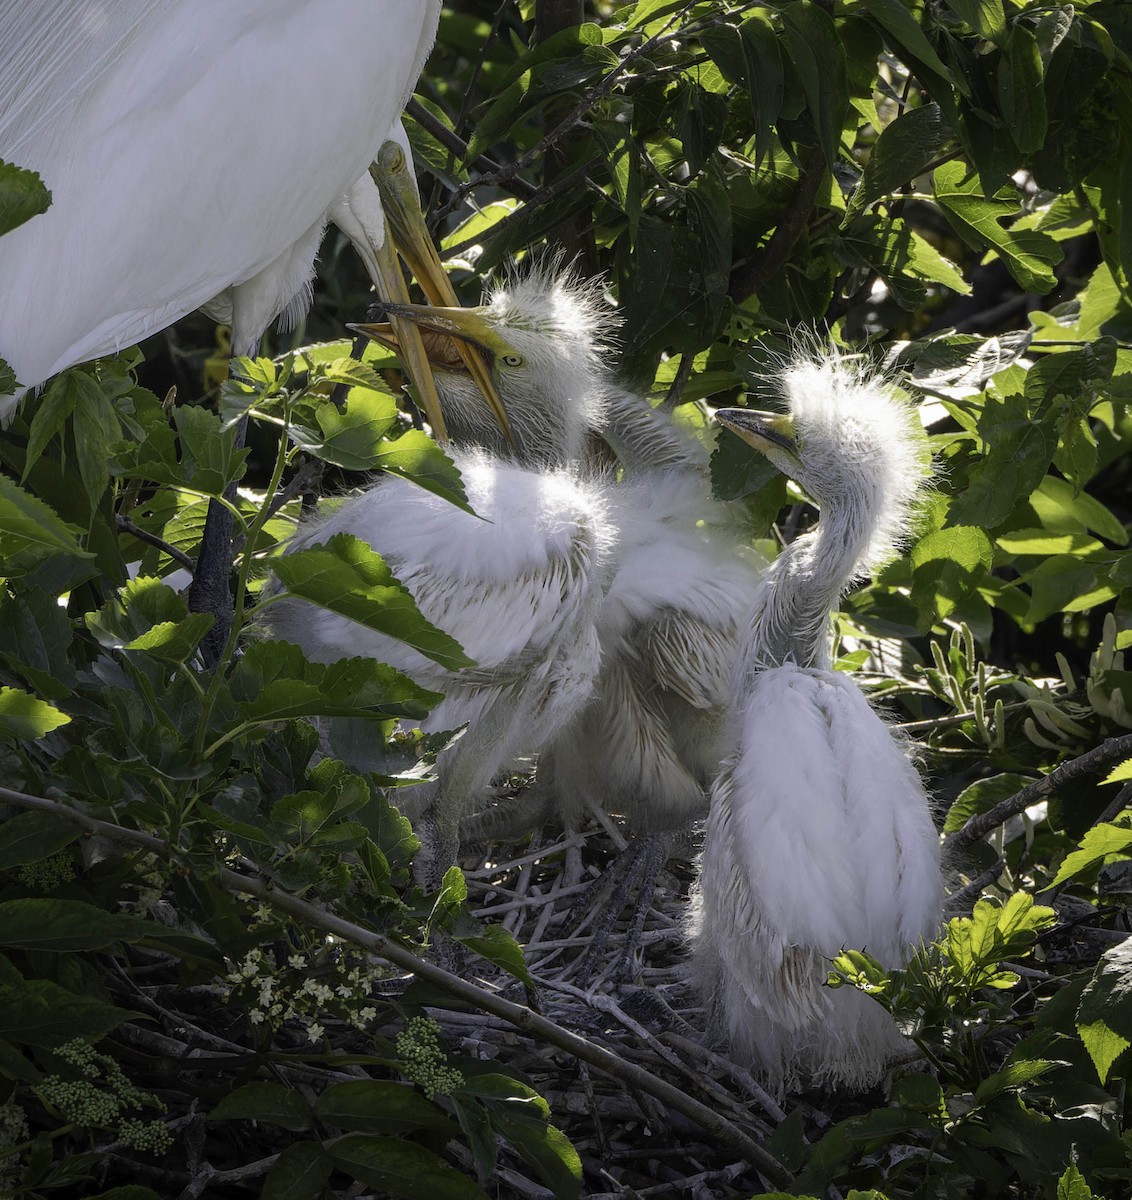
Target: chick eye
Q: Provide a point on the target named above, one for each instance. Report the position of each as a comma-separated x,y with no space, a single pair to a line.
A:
512,360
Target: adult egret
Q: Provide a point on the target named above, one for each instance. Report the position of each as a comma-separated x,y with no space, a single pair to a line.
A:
194,155
819,835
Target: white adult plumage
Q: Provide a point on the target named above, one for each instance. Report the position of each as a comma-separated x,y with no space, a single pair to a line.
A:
194,152
819,835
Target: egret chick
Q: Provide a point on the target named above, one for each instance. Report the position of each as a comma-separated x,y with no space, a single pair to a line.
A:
646,745
819,835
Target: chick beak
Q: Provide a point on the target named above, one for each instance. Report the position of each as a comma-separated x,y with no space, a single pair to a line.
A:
405,222
769,433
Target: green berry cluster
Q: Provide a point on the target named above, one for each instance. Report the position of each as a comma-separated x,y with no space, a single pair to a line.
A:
100,1094
424,1060
48,873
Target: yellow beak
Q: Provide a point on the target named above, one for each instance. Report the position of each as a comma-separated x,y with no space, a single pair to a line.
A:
768,433
405,222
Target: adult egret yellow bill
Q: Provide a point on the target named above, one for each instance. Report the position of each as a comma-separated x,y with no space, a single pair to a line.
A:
819,835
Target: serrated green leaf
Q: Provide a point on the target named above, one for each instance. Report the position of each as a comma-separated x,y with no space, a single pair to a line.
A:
947,565
416,457
819,58
273,681
26,717
1019,452
345,576
1072,1185
23,195
1061,510
265,1101
1104,1045
1027,254
902,29
353,436
380,1106
1120,773
904,150
1100,842
542,1146
30,532
400,1168
981,796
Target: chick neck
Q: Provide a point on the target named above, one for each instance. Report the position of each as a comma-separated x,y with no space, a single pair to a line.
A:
790,618
645,439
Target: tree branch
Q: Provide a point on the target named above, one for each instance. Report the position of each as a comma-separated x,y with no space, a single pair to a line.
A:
518,1015
1108,752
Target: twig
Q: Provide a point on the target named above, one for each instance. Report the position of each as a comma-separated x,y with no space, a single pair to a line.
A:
125,525
1093,760
456,144
755,274
518,1015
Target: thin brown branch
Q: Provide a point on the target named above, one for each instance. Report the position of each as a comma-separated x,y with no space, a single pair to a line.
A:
518,1015
1108,752
750,277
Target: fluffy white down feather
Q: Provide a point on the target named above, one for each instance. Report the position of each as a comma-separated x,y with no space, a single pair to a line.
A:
517,586
651,739
819,838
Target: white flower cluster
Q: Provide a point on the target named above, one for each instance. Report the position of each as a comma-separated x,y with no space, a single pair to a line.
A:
47,874
295,992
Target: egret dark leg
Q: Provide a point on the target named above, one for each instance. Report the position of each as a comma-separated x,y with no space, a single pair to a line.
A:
211,589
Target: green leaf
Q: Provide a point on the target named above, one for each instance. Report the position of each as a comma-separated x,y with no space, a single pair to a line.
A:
273,681
1060,510
209,458
1027,254
1021,89
301,1172
60,925
1011,1077
348,578
30,836
904,150
1121,773
544,1147
903,30
380,1106
981,796
25,717
819,58
399,1168
1072,1185
947,566
96,429
985,17
416,457
31,532
23,195
1104,1045
37,1012
1100,842
353,436
264,1101
497,945
1019,450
